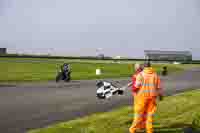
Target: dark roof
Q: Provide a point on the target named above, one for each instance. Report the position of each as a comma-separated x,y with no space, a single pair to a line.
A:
153,52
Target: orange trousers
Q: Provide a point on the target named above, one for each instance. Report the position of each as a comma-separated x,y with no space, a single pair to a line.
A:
144,110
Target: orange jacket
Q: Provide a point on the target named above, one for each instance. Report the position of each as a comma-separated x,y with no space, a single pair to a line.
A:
148,83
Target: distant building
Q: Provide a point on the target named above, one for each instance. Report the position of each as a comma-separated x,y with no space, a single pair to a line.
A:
168,55
101,56
3,51
117,57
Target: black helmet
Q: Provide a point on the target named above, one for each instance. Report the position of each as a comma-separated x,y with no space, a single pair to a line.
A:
65,64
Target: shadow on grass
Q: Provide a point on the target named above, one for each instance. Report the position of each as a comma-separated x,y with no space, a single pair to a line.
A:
174,128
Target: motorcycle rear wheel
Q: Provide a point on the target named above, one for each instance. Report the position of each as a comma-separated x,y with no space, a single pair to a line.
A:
59,77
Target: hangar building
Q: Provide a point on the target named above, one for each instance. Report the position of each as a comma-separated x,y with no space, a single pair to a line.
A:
168,55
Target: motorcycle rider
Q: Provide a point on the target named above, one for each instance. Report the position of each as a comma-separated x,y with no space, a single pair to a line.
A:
66,72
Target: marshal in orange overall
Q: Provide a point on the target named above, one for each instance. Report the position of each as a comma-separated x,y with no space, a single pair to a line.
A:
148,89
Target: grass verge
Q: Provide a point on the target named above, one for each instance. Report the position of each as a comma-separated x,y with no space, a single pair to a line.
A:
174,114
20,70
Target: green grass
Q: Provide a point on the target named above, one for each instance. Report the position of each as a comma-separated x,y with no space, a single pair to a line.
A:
24,69
43,71
65,60
174,114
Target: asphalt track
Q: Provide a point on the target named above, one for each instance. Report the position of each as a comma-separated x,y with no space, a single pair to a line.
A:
28,106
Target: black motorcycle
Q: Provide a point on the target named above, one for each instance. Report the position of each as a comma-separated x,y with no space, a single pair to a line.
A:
164,71
64,73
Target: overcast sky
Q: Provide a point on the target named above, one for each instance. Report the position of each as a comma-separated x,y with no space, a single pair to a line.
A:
118,27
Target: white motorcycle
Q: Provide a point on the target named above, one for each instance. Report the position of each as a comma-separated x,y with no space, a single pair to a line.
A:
106,90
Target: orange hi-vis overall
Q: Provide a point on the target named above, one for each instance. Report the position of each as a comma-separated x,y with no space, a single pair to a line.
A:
148,84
